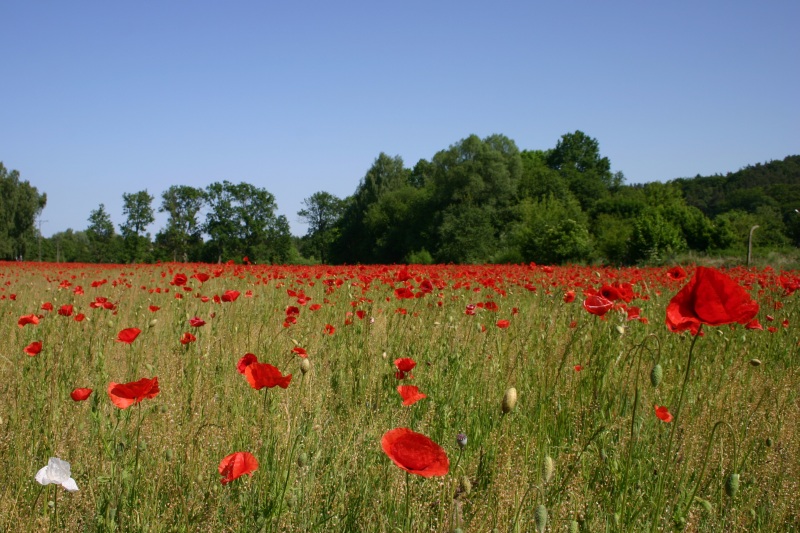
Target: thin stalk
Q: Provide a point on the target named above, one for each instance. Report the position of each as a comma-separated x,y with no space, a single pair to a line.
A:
676,419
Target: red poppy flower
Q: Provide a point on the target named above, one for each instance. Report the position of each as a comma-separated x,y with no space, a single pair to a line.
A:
202,277
33,348
246,359
197,322
754,324
80,395
300,351
154,308
128,335
676,273
187,337
236,465
65,310
597,305
404,367
410,394
47,306
503,324
578,368
330,330
260,375
123,395
415,453
710,298
230,296
79,317
179,279
24,320
663,413
569,297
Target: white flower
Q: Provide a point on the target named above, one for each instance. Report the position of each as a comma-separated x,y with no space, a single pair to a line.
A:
58,472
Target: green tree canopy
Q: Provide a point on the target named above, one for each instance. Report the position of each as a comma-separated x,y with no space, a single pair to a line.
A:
20,204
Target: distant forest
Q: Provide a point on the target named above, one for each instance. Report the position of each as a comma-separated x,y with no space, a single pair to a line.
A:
477,201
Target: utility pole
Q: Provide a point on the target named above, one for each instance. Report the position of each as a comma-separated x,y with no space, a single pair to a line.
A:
40,238
750,245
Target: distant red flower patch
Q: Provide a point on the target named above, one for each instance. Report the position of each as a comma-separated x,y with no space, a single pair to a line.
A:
33,348
123,395
65,310
236,465
503,324
197,322
179,280
128,335
410,394
415,453
154,308
330,330
24,320
676,273
80,394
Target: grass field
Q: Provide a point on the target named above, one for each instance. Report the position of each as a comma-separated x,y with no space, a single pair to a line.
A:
581,449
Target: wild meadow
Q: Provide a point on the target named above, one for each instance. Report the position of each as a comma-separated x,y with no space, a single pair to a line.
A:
536,398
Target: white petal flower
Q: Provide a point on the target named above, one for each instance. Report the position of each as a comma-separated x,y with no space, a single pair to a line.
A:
59,472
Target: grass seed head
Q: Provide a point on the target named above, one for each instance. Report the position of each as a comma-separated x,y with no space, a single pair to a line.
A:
549,469
540,518
656,375
732,484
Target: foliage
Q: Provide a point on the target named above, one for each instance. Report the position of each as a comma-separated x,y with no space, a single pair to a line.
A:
321,211
182,236
20,204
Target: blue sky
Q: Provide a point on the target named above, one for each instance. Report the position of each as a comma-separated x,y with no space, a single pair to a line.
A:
102,98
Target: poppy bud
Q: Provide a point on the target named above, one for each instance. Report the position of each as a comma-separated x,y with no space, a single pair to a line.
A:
305,365
549,469
169,454
656,374
732,485
755,362
509,400
302,459
540,518
152,323
461,440
706,505
768,441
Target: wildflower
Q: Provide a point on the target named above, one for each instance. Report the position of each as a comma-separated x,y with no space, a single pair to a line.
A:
59,472
236,465
123,395
415,453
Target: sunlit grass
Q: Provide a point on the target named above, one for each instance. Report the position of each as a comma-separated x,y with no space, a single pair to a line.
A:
153,466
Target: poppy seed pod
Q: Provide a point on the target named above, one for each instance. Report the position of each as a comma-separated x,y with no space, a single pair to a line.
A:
540,518
509,400
732,484
656,374
305,365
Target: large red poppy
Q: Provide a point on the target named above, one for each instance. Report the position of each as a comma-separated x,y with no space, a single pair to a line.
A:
260,375
404,367
128,335
245,361
415,453
410,394
236,465
123,395
230,296
710,298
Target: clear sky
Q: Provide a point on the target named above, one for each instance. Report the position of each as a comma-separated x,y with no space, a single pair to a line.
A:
106,97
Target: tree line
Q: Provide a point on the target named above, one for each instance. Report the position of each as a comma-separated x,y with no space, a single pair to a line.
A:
478,201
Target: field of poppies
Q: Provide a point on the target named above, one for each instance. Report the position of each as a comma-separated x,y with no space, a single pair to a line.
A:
193,397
